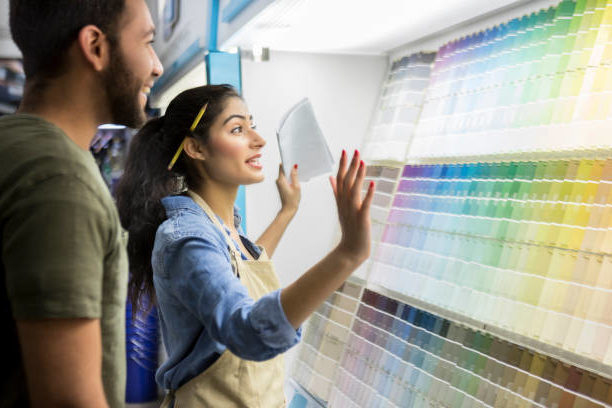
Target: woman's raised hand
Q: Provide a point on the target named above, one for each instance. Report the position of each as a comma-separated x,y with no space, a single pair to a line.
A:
303,296
353,211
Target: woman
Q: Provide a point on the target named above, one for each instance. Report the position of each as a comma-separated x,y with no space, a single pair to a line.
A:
225,321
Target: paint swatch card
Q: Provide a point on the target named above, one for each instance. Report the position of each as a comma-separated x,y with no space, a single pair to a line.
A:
301,142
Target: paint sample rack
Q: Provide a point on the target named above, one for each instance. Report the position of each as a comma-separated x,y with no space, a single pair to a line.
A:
395,354
399,108
385,179
490,280
399,355
523,246
536,82
324,343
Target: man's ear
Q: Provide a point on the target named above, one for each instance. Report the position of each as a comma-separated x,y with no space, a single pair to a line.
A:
94,46
194,149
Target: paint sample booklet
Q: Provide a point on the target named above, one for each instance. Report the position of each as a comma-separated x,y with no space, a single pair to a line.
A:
301,142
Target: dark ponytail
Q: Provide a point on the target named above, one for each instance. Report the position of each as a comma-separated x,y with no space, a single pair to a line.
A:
146,179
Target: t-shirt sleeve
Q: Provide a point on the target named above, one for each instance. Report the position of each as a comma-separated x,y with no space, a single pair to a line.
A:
53,247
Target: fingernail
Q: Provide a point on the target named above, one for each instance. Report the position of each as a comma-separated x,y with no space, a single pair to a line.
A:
343,152
356,152
361,163
371,184
295,166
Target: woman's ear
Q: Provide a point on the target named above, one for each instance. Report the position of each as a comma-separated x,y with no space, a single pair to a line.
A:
194,148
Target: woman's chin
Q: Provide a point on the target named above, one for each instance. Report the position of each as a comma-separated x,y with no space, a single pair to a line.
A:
254,180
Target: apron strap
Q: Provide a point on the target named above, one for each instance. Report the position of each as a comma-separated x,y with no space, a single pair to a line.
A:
234,255
167,402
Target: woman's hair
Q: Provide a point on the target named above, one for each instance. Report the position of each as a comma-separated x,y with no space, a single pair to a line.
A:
147,180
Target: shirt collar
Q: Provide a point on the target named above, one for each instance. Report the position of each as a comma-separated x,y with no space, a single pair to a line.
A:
175,203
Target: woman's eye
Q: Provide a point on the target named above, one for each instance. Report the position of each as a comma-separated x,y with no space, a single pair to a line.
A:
237,129
253,125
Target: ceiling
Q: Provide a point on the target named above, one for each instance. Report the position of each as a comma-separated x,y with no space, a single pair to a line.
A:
357,26
337,26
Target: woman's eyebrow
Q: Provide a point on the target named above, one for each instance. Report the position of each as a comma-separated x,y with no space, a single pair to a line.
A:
237,116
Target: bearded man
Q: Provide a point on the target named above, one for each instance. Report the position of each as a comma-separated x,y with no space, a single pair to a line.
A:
64,267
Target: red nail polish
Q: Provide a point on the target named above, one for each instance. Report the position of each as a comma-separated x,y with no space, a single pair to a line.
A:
295,166
371,184
361,163
356,152
343,152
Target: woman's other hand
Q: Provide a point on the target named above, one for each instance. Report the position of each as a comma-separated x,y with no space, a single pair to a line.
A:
353,211
290,192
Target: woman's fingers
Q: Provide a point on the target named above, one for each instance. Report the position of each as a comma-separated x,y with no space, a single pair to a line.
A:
294,176
358,184
341,171
332,181
281,171
367,200
349,179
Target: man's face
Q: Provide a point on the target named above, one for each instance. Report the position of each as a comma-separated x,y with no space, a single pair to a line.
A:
133,66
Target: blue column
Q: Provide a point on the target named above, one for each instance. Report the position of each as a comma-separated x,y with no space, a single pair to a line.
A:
224,68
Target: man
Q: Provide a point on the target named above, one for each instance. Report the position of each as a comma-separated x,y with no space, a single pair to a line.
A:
64,268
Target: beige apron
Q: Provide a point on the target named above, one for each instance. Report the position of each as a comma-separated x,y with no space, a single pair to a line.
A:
231,381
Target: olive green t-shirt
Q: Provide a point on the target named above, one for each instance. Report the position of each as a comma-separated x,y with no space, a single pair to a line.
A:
63,249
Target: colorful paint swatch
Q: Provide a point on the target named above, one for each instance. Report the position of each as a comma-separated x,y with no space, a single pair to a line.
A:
539,82
385,179
490,283
399,355
399,108
523,246
325,340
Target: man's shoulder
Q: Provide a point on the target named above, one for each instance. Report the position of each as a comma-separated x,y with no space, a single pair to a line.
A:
30,137
25,128
34,152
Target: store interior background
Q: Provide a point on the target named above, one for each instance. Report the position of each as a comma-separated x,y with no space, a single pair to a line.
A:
342,55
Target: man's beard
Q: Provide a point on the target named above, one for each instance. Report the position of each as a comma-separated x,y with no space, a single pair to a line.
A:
122,92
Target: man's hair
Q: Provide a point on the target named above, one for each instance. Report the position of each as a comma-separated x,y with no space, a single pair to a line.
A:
45,29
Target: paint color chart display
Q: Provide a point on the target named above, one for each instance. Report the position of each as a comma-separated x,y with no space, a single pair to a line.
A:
540,82
385,179
400,356
521,245
325,340
490,280
399,108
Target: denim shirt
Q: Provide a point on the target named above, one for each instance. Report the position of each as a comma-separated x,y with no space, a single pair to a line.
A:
203,307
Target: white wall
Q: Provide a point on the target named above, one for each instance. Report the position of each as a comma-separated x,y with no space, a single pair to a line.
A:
343,91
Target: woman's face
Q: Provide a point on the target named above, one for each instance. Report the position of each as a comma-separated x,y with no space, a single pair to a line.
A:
233,149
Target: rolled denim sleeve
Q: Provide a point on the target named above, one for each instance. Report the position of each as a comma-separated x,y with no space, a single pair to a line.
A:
203,281
268,318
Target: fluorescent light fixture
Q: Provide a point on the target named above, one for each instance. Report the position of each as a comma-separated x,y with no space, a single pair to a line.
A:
110,126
